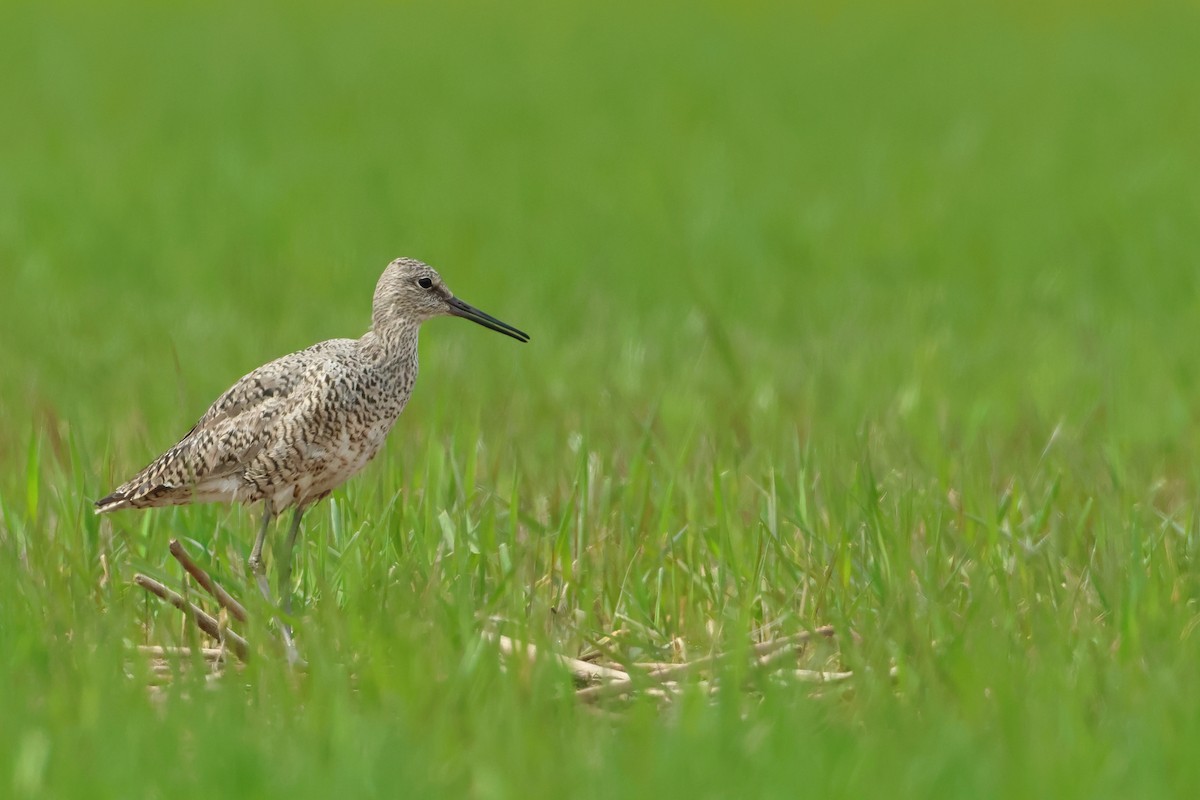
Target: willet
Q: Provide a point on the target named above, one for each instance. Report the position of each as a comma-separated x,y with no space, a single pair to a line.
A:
293,430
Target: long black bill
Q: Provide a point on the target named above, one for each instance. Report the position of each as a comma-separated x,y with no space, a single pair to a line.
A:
467,311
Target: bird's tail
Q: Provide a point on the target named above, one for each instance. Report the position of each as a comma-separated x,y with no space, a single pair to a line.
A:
114,502
143,493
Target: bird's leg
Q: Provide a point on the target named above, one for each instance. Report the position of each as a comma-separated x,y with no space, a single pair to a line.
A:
285,585
260,574
285,562
255,562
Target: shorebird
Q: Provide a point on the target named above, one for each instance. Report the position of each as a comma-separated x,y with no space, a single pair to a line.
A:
293,430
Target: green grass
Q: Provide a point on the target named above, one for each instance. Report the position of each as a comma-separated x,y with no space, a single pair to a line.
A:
881,317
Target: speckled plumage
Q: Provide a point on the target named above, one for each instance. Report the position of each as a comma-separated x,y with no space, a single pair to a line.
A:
290,431
293,430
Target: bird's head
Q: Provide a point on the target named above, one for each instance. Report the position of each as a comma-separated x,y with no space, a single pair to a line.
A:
412,291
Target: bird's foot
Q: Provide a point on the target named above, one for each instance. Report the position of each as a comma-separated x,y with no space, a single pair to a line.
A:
293,654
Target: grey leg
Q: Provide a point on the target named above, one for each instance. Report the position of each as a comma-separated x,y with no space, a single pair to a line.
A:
285,571
285,586
255,563
285,561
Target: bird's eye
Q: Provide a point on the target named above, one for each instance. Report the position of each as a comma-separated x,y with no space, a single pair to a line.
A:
425,283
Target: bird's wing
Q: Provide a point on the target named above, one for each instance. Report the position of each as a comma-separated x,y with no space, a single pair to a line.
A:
233,432
274,380
302,431
241,422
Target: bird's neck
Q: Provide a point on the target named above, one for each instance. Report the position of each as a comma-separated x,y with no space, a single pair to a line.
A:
391,345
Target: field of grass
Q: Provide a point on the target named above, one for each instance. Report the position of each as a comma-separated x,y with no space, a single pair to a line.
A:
877,316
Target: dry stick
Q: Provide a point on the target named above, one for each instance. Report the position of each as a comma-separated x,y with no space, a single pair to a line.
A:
761,650
765,652
202,619
768,647
212,587
770,655
817,676
581,670
163,651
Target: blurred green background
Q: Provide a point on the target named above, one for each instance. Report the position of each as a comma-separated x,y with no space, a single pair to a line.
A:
806,197
951,247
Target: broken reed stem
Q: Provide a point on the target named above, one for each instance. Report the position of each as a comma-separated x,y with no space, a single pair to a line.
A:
768,653
208,584
580,670
203,620
165,651
817,676
768,647
765,652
